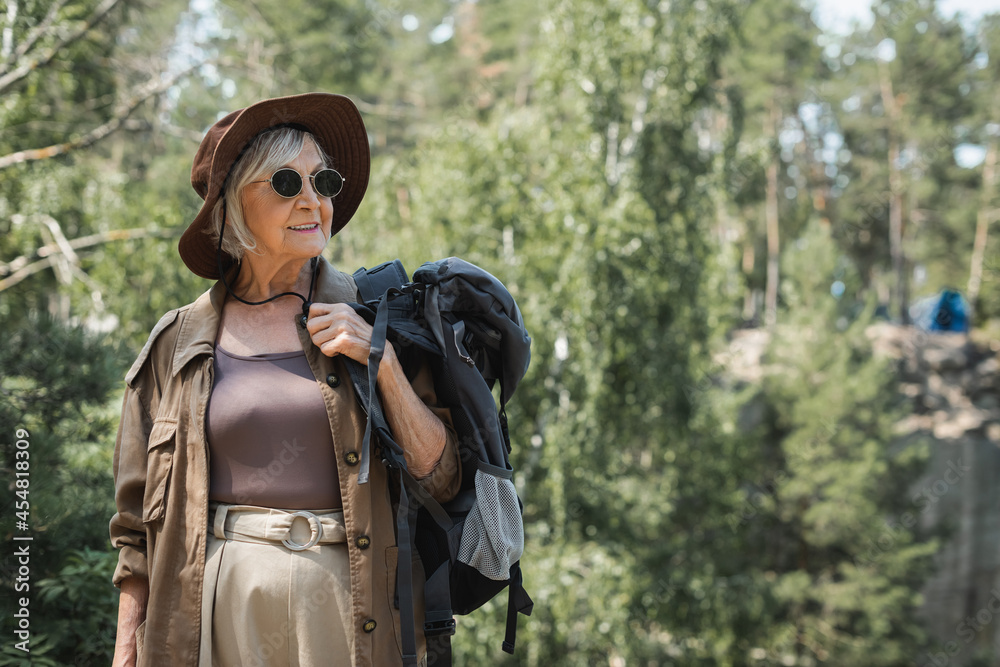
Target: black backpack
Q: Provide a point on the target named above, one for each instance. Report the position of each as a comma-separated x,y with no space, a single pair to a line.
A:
468,327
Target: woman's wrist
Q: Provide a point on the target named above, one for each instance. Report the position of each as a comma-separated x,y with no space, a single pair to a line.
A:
131,614
418,430
390,370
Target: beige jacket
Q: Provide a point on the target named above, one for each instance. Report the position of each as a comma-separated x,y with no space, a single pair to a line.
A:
161,472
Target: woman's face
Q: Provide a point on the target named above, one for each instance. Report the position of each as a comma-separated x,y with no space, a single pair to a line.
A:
288,229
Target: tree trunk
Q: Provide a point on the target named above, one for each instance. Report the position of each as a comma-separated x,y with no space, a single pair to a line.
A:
771,220
749,300
900,294
7,38
983,219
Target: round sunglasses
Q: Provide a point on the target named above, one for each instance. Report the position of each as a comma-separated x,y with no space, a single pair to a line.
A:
288,183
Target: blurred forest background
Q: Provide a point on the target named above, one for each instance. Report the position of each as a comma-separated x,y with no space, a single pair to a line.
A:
653,180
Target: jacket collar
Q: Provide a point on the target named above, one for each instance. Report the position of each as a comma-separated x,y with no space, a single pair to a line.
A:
200,327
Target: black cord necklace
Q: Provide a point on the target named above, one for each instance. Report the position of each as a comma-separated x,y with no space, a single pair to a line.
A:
306,301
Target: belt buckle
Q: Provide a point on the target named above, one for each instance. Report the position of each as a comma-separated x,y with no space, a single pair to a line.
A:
315,526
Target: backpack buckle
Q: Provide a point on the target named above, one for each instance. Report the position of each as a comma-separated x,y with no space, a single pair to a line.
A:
436,628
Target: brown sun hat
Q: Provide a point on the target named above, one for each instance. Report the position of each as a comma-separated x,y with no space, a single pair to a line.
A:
332,119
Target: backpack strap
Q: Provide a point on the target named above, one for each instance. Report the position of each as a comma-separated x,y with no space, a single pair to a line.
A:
412,496
517,601
375,416
439,620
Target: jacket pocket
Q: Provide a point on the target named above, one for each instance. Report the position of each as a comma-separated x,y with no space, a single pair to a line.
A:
391,559
159,460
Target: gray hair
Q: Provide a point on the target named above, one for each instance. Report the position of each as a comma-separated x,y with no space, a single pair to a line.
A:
268,152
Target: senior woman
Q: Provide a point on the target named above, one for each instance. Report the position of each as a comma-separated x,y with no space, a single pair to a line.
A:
244,535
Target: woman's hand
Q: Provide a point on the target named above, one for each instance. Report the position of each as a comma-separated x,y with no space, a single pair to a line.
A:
335,328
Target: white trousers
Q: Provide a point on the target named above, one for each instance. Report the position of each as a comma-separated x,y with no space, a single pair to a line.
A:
277,589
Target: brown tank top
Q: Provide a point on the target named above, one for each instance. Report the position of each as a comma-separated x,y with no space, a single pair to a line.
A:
268,434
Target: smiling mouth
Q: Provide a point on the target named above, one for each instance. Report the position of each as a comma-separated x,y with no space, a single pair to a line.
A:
303,228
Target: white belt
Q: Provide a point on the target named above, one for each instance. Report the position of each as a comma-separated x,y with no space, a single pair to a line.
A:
297,530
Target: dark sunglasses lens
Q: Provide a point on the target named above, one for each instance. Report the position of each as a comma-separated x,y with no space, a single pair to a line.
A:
328,182
286,182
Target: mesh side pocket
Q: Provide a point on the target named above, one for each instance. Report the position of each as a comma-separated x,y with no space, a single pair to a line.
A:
493,537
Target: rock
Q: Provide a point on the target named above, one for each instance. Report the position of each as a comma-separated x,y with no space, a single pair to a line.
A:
945,358
988,366
958,424
988,402
933,402
913,424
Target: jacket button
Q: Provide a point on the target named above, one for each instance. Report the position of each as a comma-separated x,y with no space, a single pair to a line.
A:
352,458
369,625
333,380
363,542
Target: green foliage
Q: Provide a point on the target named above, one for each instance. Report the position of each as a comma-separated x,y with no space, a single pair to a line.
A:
844,560
583,594
82,605
55,384
73,614
928,64
769,88
42,648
